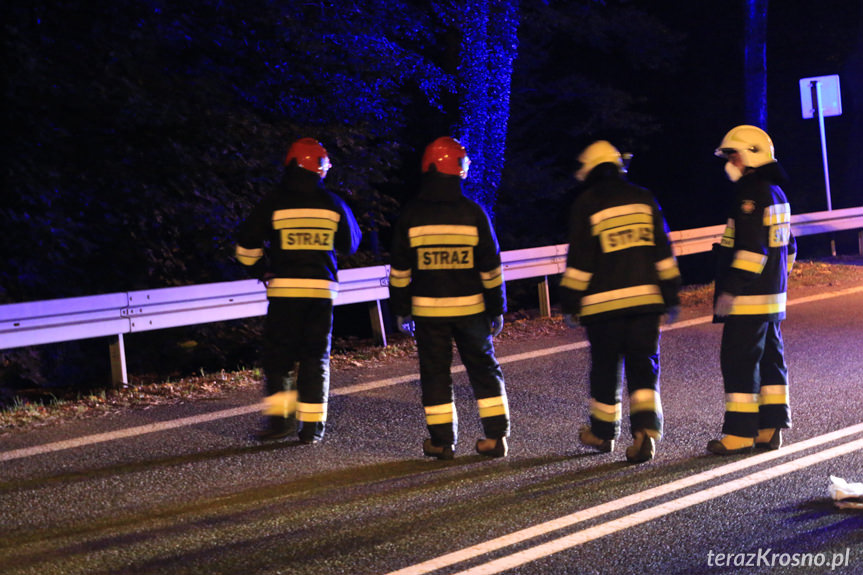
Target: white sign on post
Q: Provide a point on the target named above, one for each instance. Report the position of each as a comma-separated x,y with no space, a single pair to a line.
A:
820,97
831,99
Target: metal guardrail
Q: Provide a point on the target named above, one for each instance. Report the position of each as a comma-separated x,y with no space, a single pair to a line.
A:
116,314
702,239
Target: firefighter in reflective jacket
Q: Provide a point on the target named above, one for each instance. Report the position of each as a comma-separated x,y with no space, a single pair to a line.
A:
620,278
754,259
446,284
290,241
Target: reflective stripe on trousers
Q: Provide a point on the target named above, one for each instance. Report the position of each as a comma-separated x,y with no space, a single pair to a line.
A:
473,339
755,377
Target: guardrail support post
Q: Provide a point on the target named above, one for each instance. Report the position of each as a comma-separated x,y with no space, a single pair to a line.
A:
378,329
118,362
544,300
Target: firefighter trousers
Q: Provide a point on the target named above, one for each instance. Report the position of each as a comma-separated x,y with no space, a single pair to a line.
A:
472,335
755,377
634,340
296,353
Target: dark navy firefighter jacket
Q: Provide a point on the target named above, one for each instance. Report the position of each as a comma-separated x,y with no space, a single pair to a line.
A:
445,260
298,226
619,260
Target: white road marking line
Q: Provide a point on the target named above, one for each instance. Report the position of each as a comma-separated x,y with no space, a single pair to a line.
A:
657,511
347,390
369,385
622,503
129,432
819,297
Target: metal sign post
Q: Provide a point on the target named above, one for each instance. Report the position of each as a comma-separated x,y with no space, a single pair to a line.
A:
820,96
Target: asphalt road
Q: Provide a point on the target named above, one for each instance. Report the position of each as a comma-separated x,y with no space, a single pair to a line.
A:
183,489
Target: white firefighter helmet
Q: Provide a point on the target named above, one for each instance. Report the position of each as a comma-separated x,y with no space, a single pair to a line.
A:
599,152
751,142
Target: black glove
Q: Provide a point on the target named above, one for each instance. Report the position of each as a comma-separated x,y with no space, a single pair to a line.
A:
405,324
496,325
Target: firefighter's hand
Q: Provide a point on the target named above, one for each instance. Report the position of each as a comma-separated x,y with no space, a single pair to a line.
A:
405,324
671,314
723,304
496,325
571,320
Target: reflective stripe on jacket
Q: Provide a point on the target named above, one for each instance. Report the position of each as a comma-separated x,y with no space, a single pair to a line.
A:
293,234
758,249
619,260
445,259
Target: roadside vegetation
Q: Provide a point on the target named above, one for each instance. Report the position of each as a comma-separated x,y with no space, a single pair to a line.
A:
144,391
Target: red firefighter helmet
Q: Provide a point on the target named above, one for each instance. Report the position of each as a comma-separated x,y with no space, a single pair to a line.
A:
309,155
448,156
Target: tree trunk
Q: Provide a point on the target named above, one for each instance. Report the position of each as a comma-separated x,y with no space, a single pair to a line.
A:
755,63
488,48
852,90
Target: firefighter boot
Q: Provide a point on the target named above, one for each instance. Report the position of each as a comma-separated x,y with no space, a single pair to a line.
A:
587,437
276,427
769,438
445,452
643,446
730,445
311,432
492,447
